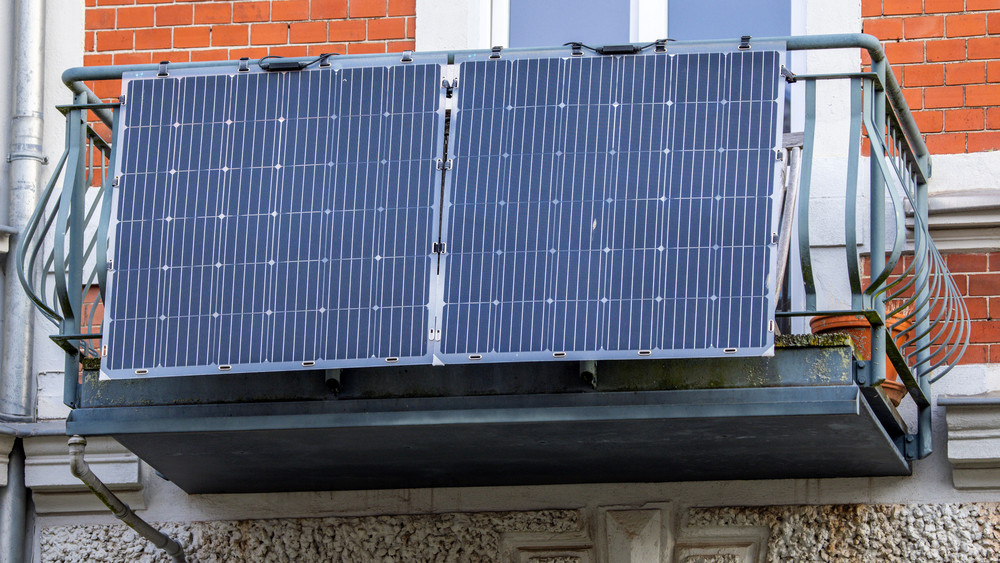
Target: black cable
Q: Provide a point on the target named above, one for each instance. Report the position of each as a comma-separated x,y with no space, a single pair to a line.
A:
301,65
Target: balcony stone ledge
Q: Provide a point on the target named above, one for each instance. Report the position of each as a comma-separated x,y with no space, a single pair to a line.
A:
55,489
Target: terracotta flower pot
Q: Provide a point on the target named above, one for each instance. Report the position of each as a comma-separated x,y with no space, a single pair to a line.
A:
859,330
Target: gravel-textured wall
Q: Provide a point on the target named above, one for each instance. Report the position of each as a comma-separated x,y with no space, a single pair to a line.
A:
449,537
869,533
849,533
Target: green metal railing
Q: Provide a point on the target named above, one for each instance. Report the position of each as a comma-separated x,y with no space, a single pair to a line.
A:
62,269
62,259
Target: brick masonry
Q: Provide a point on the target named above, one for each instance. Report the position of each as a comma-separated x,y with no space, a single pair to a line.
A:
977,278
147,31
946,54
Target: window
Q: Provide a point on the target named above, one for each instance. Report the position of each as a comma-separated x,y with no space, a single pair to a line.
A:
530,23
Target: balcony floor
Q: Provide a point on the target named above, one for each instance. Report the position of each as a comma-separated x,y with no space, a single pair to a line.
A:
814,425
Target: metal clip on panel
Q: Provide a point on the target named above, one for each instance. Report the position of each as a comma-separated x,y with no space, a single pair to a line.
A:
577,49
244,64
745,42
407,57
495,52
660,46
163,68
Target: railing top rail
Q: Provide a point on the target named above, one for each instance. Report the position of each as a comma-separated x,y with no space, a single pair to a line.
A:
74,78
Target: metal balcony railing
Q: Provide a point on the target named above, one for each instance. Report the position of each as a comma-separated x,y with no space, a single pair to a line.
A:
62,257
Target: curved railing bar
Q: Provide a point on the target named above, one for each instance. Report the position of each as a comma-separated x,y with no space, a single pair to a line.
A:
851,198
24,274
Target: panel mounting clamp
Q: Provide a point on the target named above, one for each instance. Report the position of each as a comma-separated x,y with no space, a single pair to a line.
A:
577,49
495,51
745,42
163,68
439,248
788,75
660,46
444,164
407,57
244,64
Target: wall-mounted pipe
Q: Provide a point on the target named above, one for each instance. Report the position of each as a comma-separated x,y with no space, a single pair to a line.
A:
14,508
17,384
80,469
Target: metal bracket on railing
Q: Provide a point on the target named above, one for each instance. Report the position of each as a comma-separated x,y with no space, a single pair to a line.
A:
745,42
495,51
407,57
660,46
244,64
576,49
163,68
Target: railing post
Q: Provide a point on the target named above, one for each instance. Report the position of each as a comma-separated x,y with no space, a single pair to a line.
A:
877,209
68,269
923,364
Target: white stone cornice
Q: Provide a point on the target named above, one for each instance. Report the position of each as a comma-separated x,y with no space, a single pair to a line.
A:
974,439
964,220
55,489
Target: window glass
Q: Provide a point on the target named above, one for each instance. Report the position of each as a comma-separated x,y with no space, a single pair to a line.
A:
725,19
538,23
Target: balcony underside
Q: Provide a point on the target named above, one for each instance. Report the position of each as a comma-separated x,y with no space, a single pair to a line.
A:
796,415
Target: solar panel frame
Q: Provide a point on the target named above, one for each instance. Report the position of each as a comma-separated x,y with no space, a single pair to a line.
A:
453,354
421,253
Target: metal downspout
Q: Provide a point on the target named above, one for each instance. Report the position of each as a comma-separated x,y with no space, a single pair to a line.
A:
17,382
122,511
17,386
14,509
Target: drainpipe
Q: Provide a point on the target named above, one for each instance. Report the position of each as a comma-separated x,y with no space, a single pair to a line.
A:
122,511
14,508
17,382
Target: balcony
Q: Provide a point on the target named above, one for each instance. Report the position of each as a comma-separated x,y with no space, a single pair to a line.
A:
812,409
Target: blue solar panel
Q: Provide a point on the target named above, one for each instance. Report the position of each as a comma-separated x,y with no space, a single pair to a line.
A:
611,206
267,221
596,207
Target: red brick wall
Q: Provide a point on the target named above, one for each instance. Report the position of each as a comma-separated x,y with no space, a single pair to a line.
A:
145,31
946,54
977,278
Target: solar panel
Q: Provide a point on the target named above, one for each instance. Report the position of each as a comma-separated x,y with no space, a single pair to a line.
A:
611,206
275,220
593,207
